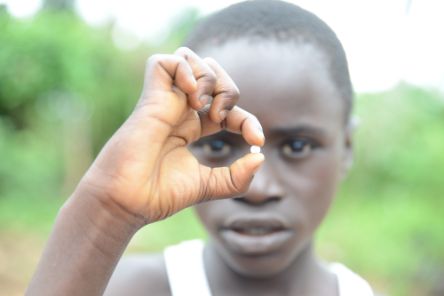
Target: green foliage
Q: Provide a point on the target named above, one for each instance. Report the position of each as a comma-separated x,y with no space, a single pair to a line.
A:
57,74
387,221
56,57
60,5
180,27
405,125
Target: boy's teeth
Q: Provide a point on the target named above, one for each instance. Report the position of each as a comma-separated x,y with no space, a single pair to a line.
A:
257,230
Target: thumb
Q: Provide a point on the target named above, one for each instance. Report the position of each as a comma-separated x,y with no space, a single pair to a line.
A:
230,181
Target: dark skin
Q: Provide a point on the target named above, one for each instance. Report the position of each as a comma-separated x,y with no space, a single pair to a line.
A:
146,173
308,152
129,184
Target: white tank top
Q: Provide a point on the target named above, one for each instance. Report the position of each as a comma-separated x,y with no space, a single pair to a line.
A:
186,273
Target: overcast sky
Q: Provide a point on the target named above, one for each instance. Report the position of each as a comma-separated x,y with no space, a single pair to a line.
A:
385,41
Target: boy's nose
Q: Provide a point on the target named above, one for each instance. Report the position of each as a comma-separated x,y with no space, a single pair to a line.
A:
263,189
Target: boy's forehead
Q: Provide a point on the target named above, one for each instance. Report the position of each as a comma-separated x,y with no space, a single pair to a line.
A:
263,54
284,80
273,66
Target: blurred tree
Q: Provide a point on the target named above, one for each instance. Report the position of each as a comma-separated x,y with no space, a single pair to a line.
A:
68,83
59,5
179,28
65,82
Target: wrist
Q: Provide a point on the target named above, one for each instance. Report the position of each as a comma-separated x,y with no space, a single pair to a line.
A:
107,225
87,241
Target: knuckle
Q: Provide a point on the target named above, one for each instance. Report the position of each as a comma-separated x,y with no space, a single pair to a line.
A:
229,104
209,77
233,94
158,58
183,50
254,118
182,61
236,91
154,59
209,60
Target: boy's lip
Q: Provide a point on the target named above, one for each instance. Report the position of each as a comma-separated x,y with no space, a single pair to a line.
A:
244,222
255,235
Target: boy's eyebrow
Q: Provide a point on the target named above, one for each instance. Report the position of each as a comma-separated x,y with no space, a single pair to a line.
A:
222,133
302,129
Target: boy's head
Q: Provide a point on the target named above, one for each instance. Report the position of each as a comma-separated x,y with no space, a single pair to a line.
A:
268,20
292,74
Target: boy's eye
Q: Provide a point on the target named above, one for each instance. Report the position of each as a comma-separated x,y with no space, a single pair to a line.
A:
216,149
298,148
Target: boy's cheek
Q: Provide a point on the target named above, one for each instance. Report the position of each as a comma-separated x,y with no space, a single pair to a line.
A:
315,178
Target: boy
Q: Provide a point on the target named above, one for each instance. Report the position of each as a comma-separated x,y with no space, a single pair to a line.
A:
292,74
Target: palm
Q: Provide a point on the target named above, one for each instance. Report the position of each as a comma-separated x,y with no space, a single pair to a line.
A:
179,179
178,183
164,180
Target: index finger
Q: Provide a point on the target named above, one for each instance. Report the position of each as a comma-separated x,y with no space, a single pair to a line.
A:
226,93
238,121
205,76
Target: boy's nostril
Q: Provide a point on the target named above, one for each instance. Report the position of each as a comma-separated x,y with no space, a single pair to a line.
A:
274,199
240,199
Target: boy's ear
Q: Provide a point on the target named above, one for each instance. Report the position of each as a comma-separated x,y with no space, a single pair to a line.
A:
348,145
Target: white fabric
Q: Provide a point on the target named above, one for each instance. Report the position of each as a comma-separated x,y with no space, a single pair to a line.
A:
186,273
185,269
349,283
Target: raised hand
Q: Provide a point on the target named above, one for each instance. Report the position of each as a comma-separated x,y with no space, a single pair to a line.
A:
146,167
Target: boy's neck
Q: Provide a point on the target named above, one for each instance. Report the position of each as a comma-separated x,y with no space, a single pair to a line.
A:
305,276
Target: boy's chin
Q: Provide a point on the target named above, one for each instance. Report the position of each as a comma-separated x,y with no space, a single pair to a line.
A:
266,266
257,267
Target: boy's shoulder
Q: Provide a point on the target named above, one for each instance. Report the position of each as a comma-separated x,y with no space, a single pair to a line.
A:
139,275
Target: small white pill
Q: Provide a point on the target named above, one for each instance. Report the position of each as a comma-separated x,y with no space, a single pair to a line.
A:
255,149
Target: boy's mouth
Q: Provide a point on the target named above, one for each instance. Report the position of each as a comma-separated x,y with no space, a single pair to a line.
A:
255,235
255,226
256,231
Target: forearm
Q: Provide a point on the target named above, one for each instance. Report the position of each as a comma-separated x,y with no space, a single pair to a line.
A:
87,241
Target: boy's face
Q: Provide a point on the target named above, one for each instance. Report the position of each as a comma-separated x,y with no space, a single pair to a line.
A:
307,150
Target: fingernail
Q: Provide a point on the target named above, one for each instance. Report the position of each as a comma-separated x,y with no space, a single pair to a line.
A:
259,127
194,83
261,132
204,99
223,114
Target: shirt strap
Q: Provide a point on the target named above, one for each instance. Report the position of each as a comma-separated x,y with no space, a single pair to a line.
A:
185,269
349,283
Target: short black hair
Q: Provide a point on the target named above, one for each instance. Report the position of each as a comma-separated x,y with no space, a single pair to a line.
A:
280,21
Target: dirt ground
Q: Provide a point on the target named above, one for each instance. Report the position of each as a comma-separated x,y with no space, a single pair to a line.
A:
19,254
